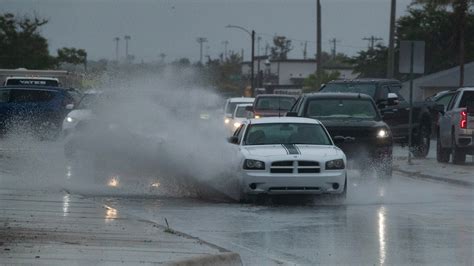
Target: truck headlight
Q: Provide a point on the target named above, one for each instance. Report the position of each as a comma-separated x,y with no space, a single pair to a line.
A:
337,164
254,165
382,133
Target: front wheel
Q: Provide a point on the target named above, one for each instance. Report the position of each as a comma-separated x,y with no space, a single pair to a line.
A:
421,146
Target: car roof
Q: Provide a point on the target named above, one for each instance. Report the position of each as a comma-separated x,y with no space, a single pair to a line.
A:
283,119
466,89
35,87
337,95
241,99
277,95
364,80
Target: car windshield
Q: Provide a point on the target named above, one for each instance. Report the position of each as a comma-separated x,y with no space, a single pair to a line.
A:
274,103
341,108
241,112
231,107
368,89
286,133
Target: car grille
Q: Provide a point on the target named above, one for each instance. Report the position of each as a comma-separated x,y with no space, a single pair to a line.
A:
300,167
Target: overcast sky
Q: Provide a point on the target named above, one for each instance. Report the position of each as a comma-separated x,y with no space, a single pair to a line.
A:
172,26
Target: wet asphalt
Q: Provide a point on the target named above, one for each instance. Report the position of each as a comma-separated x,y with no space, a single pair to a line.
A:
404,221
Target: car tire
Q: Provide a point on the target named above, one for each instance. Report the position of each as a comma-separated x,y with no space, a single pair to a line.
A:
458,155
422,145
442,154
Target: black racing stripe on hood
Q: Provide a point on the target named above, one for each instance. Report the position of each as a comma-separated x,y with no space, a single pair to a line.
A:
291,148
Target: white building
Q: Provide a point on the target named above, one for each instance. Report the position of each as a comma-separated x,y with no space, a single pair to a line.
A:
290,71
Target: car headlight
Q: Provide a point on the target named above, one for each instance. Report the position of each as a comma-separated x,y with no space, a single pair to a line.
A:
237,124
227,120
335,164
70,119
257,117
382,133
254,165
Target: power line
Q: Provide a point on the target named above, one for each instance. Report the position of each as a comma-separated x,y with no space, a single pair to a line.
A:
372,39
333,42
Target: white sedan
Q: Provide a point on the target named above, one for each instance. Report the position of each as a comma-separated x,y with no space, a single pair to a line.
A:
289,155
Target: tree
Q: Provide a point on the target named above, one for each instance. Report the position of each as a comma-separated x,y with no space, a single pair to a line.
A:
460,12
21,44
72,56
371,63
311,82
281,48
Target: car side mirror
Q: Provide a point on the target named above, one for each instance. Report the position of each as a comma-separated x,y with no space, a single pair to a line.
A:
70,106
392,99
439,108
233,140
292,114
470,107
249,108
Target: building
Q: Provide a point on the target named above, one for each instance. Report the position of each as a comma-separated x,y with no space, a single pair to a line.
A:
288,71
428,85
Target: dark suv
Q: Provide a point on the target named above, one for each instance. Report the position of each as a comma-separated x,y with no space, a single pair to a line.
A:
38,109
395,110
353,122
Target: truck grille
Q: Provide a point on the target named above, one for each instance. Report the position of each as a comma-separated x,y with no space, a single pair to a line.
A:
300,167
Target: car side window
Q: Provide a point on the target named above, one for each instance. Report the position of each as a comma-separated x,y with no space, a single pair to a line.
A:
453,100
240,133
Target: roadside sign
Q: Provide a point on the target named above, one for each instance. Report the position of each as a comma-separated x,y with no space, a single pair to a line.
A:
406,49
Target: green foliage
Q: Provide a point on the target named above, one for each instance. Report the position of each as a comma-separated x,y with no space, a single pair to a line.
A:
21,44
281,48
371,63
226,74
72,56
310,83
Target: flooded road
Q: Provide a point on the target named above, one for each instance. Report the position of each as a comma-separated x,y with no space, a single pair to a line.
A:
404,221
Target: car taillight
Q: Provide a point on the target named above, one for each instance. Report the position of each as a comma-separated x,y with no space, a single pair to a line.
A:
463,122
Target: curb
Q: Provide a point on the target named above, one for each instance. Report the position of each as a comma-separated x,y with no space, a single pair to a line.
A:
436,178
226,258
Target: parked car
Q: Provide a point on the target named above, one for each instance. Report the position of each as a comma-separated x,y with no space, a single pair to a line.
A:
354,118
456,128
230,105
272,104
37,109
288,155
395,110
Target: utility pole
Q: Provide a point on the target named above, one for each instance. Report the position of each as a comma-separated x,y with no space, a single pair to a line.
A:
372,39
127,38
391,42
333,42
201,41
225,49
318,44
258,45
305,51
117,40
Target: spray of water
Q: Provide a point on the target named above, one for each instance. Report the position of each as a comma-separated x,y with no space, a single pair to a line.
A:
146,129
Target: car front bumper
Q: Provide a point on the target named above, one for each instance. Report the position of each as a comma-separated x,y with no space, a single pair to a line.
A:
255,182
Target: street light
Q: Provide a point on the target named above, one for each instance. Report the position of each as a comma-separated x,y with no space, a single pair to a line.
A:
252,36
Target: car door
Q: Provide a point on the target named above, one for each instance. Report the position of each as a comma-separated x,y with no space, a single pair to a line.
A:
394,115
445,121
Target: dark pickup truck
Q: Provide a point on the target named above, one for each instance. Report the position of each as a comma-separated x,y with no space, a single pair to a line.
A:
395,110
